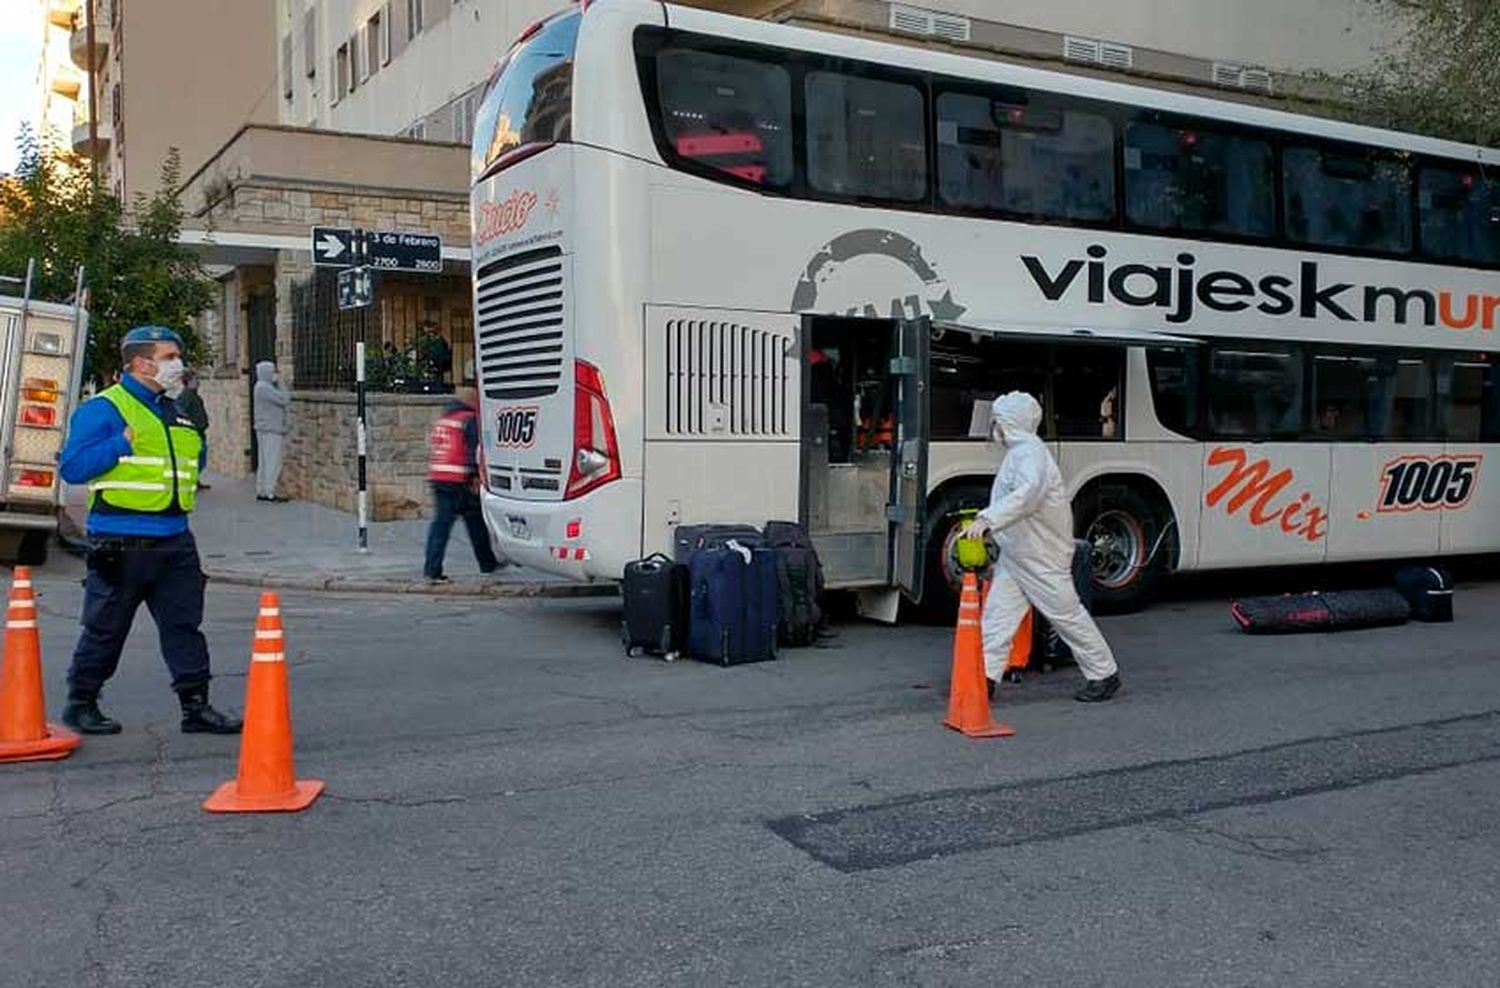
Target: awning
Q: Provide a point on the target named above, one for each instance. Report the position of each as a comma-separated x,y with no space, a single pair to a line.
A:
1065,334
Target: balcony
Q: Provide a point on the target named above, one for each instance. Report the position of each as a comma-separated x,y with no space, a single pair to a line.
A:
62,12
66,81
86,57
90,147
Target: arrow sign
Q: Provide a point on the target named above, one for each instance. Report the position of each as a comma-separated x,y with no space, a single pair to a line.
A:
332,246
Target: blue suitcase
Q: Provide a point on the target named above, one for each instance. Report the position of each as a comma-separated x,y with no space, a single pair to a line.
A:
735,605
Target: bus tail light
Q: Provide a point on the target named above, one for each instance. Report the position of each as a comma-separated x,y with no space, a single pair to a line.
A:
43,416
596,453
35,479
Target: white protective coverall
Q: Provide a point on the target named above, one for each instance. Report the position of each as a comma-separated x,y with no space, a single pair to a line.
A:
1032,523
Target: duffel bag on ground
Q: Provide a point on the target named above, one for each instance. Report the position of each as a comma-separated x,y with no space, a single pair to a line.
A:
1429,591
1339,610
655,597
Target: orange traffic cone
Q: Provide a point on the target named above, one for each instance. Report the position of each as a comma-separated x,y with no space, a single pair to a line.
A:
1020,649
267,782
25,735
968,704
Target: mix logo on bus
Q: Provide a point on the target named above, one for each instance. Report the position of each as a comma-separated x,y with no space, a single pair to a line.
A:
515,428
505,217
1252,482
1428,483
1181,290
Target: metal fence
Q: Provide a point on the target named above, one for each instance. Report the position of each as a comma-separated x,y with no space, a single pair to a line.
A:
419,334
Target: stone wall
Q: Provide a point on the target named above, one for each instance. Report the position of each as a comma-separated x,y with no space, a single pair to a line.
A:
320,463
226,398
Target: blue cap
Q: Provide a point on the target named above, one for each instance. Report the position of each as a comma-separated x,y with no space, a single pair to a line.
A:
150,334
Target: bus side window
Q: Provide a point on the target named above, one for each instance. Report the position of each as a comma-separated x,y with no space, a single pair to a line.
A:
1460,215
1086,391
1255,391
1344,200
1174,387
1186,178
866,137
1469,398
730,114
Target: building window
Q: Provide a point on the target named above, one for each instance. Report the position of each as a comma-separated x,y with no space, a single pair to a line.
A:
286,67
341,70
419,130
360,56
310,43
384,20
413,18
866,138
1012,154
1186,178
376,51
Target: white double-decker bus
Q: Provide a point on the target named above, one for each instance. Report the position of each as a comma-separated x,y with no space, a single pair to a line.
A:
729,270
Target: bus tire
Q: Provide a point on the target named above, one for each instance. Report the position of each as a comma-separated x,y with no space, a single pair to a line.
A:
1124,525
941,584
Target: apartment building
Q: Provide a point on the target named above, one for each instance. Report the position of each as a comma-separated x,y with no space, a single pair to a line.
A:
62,91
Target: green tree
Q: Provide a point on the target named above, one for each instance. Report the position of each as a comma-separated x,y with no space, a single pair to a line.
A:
1439,75
134,269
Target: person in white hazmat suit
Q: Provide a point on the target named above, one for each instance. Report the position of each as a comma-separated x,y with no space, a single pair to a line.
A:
1032,524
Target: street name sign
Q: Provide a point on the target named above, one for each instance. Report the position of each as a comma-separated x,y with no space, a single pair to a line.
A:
384,250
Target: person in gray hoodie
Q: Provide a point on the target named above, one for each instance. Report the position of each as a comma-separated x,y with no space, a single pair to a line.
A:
271,403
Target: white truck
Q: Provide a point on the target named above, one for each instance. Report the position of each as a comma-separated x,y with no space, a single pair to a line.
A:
41,362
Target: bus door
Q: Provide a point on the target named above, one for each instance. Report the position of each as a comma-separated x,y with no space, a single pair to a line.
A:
864,440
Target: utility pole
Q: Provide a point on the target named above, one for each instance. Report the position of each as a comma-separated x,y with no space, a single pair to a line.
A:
359,403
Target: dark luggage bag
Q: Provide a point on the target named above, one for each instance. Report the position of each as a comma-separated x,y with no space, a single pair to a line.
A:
655,595
688,539
801,578
1341,610
1054,651
734,605
1428,591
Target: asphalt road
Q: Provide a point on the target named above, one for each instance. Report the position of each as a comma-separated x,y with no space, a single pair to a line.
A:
511,802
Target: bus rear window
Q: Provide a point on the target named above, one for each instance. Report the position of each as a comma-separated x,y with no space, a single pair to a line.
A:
732,115
530,98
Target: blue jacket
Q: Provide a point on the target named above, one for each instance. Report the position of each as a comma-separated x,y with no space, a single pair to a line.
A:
96,441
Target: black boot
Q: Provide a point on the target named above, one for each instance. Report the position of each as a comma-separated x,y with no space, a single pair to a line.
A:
1098,690
200,718
83,715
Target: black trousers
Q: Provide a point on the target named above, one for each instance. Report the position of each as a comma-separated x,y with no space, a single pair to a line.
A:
122,573
450,501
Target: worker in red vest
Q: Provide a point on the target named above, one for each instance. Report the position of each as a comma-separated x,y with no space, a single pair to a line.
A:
452,458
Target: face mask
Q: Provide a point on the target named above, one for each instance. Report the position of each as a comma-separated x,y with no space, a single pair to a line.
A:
169,374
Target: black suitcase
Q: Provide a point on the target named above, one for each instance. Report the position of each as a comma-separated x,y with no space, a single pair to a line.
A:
1054,651
688,539
801,577
1341,610
655,595
1428,591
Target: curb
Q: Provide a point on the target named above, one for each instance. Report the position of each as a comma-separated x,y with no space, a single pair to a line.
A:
345,584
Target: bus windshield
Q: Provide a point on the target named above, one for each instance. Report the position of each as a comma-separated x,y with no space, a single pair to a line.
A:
530,98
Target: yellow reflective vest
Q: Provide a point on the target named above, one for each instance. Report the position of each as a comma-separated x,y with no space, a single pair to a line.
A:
160,476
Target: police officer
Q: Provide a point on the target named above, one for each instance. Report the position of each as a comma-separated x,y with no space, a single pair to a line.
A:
140,457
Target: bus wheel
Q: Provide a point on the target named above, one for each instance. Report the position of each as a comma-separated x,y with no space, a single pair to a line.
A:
943,581
1123,527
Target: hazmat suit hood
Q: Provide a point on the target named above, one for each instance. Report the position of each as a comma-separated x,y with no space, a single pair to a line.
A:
265,371
1014,418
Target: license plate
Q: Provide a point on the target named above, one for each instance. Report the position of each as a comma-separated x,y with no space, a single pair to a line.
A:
519,529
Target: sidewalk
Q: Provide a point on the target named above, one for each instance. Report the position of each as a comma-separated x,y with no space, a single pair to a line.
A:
303,546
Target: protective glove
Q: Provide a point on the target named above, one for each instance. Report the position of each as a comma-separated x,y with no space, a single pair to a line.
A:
976,529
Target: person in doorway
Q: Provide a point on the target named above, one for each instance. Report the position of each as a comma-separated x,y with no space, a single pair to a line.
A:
140,457
190,403
1033,526
271,403
452,467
